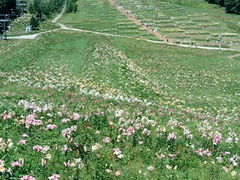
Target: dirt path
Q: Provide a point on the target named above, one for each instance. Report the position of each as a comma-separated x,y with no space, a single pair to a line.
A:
234,56
147,40
64,27
61,13
137,21
34,36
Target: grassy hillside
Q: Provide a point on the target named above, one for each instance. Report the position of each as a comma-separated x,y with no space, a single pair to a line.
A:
18,26
100,16
87,106
187,21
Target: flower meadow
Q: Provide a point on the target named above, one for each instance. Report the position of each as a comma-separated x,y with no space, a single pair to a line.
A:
112,140
110,111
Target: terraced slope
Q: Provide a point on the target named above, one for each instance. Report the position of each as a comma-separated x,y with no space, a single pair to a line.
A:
78,105
100,16
186,23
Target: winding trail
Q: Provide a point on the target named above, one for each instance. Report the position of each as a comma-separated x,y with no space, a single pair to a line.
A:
61,13
234,56
64,27
34,36
131,17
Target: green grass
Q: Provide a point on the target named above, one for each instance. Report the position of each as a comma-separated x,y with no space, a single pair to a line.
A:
104,15
200,15
117,85
182,71
18,26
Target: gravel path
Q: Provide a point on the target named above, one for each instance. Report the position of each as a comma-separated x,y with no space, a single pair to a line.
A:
33,36
234,56
61,14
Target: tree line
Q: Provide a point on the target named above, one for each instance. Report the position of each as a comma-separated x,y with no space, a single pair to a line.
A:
232,6
41,8
7,5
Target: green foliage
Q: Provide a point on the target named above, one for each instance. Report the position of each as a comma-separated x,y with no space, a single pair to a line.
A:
39,8
232,6
34,23
72,7
87,106
7,5
18,26
43,9
37,77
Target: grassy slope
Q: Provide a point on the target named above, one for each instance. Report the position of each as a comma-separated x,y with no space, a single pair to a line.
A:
105,16
181,71
206,82
228,21
180,13
162,64
18,26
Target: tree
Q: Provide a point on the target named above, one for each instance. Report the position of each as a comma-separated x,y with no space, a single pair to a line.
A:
221,2
37,8
41,8
72,6
232,6
34,23
7,5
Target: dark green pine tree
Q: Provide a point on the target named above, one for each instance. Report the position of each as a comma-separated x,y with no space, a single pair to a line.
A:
7,5
232,6
34,23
